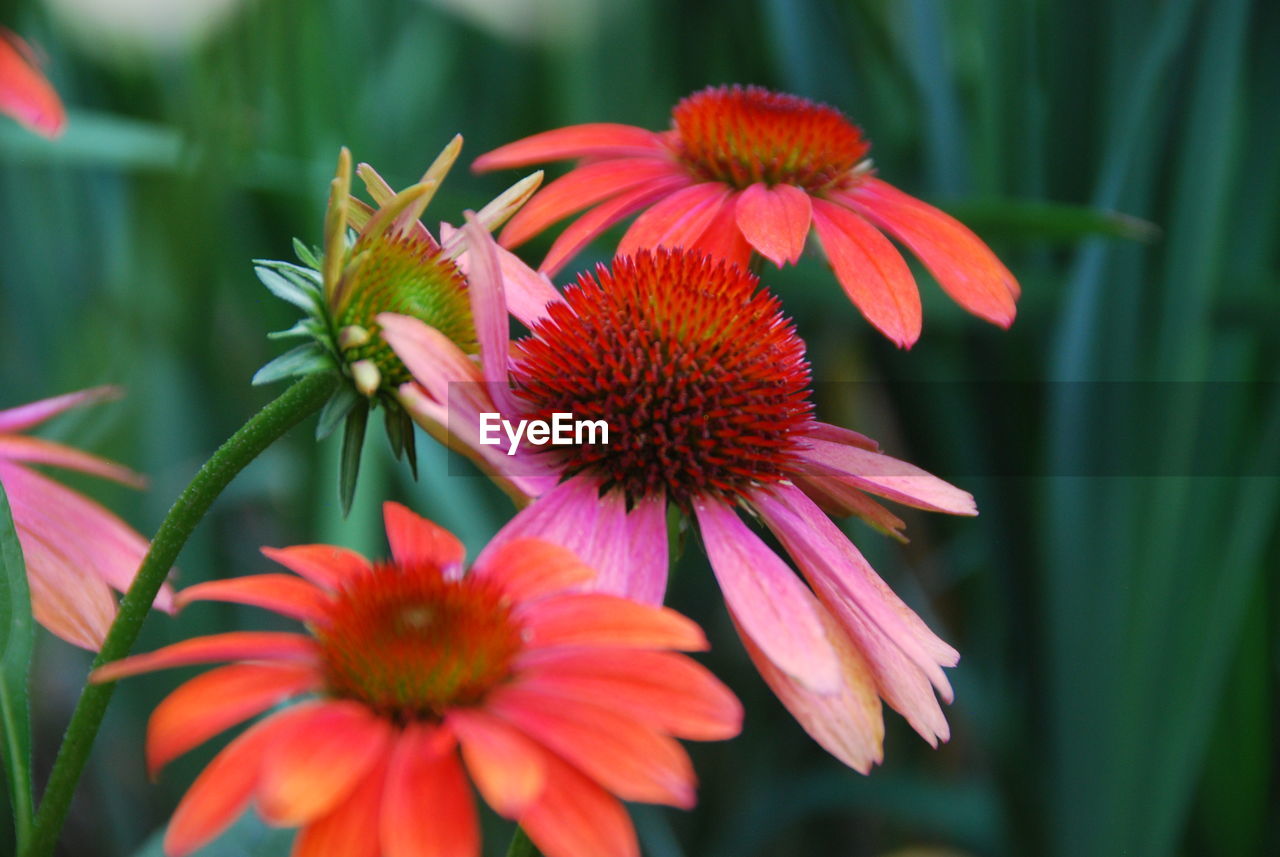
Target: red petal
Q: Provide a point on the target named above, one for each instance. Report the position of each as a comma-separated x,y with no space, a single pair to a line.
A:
427,810
508,768
576,818
282,593
230,646
306,773
587,227
598,140
415,540
324,565
25,94
528,569
217,700
872,272
581,188
964,266
633,761
775,220
350,830
677,221
723,238
609,621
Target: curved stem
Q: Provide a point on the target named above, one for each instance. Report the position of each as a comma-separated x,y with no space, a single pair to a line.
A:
301,399
522,845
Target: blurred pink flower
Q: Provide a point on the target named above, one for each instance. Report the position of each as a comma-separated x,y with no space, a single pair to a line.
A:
76,551
25,94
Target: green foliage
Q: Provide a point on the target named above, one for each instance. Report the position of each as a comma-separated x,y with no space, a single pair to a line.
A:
17,634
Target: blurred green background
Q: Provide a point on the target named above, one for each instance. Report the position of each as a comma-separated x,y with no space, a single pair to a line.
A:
1115,603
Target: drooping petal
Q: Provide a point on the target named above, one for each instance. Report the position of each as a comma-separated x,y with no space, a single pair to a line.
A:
507,767
574,817
887,477
839,499
848,724
774,607
629,759
351,828
597,619
528,569
223,790
677,221
838,434
963,265
25,94
34,450
872,272
775,220
595,140
415,540
228,646
324,565
218,700
489,309
582,188
664,690
588,227
76,607
33,413
313,768
723,238
282,593
528,291
427,810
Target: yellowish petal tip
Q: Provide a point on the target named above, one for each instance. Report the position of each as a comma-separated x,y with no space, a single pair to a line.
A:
366,376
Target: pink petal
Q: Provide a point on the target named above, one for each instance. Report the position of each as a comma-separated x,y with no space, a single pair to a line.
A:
836,434
228,646
283,593
74,606
596,140
964,266
33,450
218,700
528,292
25,94
773,606
590,225
32,414
583,187
841,500
888,477
775,220
327,566
427,810
489,310
677,221
507,767
594,619
574,817
417,541
872,272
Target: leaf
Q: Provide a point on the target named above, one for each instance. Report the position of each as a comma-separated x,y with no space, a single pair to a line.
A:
306,254
352,446
288,285
17,636
335,410
1033,220
302,360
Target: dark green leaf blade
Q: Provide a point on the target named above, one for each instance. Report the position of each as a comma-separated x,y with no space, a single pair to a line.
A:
17,636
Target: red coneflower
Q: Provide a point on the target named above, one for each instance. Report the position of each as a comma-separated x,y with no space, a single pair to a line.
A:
744,169
555,703
704,386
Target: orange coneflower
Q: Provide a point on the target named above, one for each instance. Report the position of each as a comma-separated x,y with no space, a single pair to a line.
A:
744,169
416,675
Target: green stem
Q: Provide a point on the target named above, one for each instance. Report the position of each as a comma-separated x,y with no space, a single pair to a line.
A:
304,397
522,845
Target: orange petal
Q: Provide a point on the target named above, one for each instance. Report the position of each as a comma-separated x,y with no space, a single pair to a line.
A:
527,569
217,700
324,565
224,787
677,221
963,265
633,761
775,220
282,593
507,767
308,772
427,810
574,817
871,271
230,646
723,238
350,830
661,689
25,94
597,619
415,540
595,140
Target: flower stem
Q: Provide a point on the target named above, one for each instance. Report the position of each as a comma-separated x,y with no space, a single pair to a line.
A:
301,399
522,845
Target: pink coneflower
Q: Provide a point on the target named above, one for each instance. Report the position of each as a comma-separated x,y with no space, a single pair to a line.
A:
75,550
414,675
705,387
744,169
25,94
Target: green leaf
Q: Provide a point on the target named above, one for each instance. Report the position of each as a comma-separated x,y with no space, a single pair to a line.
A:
352,446
17,635
303,360
336,410
307,328
306,254
289,286
1032,220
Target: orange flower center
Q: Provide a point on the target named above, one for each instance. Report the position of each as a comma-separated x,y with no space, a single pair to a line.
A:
410,644
742,135
700,378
